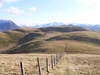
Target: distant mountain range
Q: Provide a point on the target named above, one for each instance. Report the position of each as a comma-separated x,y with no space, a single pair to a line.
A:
48,25
6,25
95,27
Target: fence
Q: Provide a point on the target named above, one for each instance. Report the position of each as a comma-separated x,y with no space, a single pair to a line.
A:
54,60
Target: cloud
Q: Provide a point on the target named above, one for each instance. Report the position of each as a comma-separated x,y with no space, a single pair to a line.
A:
88,2
59,15
33,9
1,4
14,10
10,1
90,13
88,17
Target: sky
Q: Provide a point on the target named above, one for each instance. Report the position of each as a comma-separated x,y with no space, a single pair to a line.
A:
31,12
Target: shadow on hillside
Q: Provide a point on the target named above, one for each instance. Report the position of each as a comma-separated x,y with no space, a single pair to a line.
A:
29,37
32,47
77,38
62,29
19,30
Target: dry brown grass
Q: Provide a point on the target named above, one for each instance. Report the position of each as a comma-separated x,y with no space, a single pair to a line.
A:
79,42
10,64
70,64
78,64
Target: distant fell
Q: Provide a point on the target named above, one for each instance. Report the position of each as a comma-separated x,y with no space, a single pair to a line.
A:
6,25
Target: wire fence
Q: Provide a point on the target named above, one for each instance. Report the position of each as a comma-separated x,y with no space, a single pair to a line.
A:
49,65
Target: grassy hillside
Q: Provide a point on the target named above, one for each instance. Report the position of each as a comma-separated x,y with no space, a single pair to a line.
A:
77,64
86,36
10,38
50,40
65,43
75,43
62,29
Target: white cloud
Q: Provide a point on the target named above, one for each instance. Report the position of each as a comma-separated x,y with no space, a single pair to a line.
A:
14,10
88,2
89,15
10,1
33,9
59,15
1,4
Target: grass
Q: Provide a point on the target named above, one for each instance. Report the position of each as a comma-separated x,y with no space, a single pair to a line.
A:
10,38
25,38
81,47
78,64
79,42
10,64
84,36
70,64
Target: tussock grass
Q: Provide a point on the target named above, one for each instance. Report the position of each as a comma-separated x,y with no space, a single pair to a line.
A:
10,64
78,64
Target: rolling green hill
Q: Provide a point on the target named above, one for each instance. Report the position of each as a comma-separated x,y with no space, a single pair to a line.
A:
50,40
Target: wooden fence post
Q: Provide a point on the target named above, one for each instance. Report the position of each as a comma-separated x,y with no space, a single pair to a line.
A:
51,62
54,61
47,66
22,68
38,61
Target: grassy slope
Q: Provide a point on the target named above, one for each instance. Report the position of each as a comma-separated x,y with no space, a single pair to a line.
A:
70,64
58,46
82,42
51,39
77,64
62,42
10,38
10,64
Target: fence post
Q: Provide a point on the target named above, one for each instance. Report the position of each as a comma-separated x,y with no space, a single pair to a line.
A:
47,66
56,58
22,68
51,62
54,61
38,61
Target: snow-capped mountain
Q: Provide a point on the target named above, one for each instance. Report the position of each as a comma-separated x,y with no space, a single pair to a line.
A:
48,25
